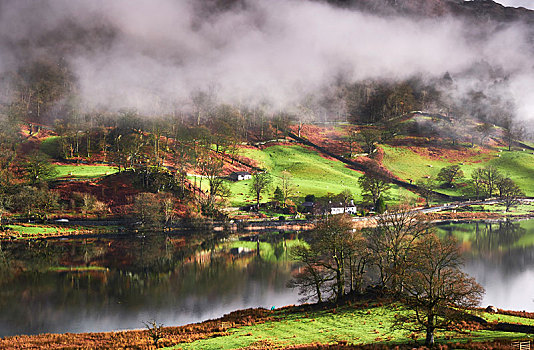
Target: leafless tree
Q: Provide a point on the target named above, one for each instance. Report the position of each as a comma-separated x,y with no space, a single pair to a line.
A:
335,259
435,289
391,242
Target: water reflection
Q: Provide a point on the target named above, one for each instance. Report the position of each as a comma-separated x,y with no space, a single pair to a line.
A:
500,256
175,280
182,279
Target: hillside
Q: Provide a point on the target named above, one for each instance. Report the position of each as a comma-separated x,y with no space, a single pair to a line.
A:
480,11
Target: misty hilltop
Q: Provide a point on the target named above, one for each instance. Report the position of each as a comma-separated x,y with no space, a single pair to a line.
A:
481,10
282,55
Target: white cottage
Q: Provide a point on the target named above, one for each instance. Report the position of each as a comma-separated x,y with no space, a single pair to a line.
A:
240,175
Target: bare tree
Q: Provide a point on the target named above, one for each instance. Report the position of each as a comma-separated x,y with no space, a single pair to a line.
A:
147,209
391,242
490,176
485,130
476,183
426,189
369,138
212,167
312,278
512,131
334,260
286,186
435,288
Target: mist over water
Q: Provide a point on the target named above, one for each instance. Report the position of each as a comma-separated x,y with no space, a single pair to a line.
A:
153,56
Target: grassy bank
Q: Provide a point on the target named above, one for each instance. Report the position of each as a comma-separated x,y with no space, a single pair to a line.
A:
364,324
357,324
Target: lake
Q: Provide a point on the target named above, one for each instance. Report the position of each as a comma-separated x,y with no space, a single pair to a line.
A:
122,283
500,256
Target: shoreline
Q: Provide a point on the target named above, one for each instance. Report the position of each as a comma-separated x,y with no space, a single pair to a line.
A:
243,226
219,327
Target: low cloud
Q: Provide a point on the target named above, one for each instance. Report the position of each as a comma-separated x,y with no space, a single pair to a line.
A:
154,55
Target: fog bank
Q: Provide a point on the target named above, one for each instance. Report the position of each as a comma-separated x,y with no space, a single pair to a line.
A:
153,56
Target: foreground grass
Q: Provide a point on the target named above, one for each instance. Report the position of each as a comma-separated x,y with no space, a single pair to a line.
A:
310,174
357,324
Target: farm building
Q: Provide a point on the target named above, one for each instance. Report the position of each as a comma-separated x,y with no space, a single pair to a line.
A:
340,210
240,175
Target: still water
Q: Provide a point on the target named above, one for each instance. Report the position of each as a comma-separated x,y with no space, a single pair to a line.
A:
500,256
182,279
174,280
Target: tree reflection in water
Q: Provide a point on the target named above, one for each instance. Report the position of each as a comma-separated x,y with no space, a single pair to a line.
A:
500,256
119,283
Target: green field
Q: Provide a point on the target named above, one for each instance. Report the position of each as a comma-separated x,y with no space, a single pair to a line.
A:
310,172
357,324
84,171
40,230
407,164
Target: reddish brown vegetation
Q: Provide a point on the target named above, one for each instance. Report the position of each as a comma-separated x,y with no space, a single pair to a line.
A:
139,339
424,148
115,191
523,314
330,139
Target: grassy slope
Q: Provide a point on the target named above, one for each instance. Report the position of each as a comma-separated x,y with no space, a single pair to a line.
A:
50,146
357,325
409,165
311,174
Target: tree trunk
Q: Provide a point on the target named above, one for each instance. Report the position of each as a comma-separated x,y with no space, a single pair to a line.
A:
318,289
429,341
